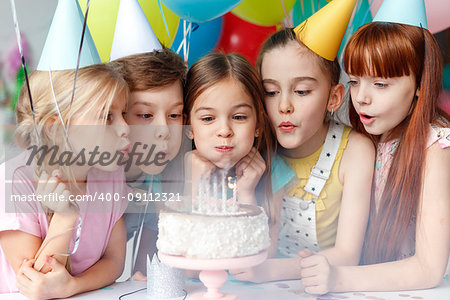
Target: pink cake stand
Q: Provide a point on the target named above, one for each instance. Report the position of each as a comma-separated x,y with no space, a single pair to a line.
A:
213,274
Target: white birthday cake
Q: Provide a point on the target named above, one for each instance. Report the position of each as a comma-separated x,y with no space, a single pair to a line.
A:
243,232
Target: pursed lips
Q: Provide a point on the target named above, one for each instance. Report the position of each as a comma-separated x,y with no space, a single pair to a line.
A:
125,150
286,126
224,148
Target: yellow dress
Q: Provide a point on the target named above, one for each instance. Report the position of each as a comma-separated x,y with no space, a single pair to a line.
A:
328,203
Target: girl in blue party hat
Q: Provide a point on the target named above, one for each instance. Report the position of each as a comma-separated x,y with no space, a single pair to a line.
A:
395,69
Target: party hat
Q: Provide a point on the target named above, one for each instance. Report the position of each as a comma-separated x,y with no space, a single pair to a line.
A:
410,12
163,282
63,40
133,33
323,31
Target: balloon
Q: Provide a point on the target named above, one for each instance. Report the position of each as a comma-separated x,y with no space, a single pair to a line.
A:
446,77
199,11
304,9
361,16
437,13
153,13
102,20
202,41
239,36
264,12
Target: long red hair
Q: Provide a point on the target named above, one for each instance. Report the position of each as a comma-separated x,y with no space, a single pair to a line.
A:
393,50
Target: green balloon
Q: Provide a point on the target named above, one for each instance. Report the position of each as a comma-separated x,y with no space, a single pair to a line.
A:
446,77
304,9
263,12
362,16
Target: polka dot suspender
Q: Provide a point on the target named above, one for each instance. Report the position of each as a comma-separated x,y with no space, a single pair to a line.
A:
321,171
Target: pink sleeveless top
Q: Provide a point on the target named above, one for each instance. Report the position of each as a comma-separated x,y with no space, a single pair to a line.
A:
385,153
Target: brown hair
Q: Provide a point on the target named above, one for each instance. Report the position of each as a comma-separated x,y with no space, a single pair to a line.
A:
151,70
214,68
282,38
392,50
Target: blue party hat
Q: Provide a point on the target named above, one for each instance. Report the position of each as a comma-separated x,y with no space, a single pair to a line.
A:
133,33
410,12
63,40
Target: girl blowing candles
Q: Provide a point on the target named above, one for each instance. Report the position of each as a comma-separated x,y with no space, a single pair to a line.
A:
32,235
229,125
58,248
324,169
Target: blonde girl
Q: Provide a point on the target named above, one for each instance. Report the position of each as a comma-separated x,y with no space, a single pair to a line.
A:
39,238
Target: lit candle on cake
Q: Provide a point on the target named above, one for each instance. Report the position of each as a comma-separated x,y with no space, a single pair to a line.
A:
232,185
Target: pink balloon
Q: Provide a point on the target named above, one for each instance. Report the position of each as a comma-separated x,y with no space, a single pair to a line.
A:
437,13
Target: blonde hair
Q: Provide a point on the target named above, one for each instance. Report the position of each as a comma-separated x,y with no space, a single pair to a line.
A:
97,87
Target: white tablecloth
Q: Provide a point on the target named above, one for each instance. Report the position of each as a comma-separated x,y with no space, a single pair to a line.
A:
265,291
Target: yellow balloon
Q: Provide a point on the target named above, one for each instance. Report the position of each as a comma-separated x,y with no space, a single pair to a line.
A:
263,12
153,13
102,22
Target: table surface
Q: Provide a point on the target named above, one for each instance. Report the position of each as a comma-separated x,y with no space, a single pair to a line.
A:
265,291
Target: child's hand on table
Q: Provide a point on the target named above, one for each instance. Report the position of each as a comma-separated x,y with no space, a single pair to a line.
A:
260,273
317,275
36,285
138,276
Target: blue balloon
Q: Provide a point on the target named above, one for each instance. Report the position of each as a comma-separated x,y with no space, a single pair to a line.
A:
198,11
204,38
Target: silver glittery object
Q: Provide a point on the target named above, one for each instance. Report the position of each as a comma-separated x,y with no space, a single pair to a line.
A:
163,282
